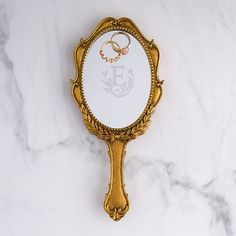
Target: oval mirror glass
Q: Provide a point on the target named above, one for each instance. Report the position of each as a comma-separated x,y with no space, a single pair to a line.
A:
116,93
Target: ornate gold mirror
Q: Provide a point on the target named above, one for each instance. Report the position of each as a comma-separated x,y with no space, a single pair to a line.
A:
117,89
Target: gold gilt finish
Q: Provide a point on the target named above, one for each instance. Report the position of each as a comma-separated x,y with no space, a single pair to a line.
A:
116,202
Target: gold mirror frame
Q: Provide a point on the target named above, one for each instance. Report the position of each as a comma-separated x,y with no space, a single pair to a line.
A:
116,202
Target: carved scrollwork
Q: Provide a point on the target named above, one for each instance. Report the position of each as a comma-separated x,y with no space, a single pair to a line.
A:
116,213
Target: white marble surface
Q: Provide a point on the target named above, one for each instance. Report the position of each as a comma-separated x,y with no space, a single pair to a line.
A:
180,176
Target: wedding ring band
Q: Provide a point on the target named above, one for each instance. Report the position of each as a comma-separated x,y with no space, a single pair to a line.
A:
110,59
124,50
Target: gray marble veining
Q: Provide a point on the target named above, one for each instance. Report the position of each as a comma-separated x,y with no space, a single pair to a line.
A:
180,176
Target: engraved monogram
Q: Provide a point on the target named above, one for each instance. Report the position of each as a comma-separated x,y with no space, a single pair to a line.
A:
118,81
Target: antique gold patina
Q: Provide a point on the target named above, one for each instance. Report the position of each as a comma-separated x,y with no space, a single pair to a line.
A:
116,202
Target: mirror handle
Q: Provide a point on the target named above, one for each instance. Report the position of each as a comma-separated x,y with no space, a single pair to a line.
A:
116,202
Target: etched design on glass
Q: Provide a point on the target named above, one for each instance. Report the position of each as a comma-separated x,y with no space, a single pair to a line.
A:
118,81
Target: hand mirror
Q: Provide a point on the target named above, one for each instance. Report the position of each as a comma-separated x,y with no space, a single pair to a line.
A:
117,89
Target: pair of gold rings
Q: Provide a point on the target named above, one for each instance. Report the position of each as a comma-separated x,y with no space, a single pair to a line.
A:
116,47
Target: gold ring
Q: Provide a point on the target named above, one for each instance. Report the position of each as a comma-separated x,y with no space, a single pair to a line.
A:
110,59
124,50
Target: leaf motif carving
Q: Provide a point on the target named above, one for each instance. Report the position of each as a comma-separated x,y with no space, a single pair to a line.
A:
108,134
